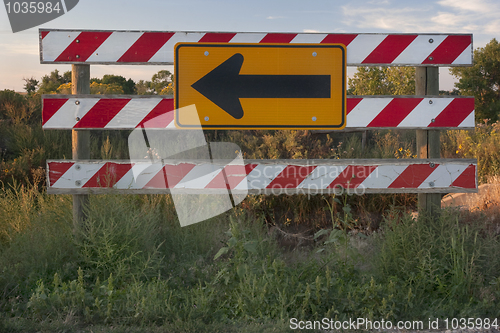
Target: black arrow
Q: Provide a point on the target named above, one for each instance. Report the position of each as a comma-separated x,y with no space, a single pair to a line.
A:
224,86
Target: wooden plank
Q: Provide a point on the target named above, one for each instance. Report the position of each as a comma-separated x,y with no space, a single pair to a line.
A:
375,112
80,79
156,47
428,141
263,176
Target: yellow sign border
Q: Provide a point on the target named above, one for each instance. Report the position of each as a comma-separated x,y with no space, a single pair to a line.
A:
340,126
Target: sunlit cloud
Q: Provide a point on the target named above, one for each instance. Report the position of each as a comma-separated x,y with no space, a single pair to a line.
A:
274,17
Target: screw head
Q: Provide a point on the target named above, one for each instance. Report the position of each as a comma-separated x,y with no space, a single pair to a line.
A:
431,58
315,54
431,184
206,118
77,56
77,167
78,118
314,118
78,41
433,120
206,53
431,40
78,183
77,102
432,165
430,101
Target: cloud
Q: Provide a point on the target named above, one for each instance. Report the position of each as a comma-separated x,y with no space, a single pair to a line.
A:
274,17
445,16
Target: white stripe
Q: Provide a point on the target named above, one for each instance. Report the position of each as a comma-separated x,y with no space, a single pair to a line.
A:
322,177
166,52
261,176
362,46
199,177
248,38
70,177
444,175
419,50
383,176
139,175
308,38
66,116
465,57
469,121
55,42
366,111
114,46
424,112
133,113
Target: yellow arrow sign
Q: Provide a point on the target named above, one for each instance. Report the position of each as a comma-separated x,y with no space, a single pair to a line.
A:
260,86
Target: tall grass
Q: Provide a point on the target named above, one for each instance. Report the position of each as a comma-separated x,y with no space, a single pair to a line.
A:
131,264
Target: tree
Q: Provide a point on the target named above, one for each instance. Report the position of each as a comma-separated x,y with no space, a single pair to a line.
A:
161,84
51,82
128,86
95,89
383,81
482,81
30,85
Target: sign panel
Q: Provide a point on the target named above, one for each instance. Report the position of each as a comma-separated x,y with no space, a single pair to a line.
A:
154,111
263,176
117,47
257,86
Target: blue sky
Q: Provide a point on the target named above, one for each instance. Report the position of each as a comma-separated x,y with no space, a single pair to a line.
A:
19,52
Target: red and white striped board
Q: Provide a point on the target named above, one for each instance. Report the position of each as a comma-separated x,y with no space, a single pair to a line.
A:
157,47
128,112
263,176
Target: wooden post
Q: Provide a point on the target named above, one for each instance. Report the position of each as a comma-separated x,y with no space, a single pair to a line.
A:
80,84
428,141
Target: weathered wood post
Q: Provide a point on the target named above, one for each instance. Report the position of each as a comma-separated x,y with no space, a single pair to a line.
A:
80,84
428,141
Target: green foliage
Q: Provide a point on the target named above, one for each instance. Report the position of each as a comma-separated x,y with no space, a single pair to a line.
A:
112,84
481,144
441,261
162,83
383,81
51,82
482,81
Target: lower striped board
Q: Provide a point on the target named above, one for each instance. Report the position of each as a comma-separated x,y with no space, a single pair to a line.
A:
273,177
129,112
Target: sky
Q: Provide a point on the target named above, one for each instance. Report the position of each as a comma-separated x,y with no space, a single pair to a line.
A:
19,52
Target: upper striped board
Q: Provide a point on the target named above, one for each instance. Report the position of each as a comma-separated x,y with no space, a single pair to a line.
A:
157,47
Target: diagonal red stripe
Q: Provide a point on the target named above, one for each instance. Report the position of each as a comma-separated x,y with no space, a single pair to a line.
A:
394,113
162,114
291,176
413,176
467,179
108,175
352,102
57,169
217,37
278,38
146,47
234,174
102,113
170,175
88,42
352,176
50,107
345,39
390,48
449,50
454,113
44,33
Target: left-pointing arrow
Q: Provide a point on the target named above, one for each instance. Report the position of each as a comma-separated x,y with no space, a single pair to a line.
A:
224,86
